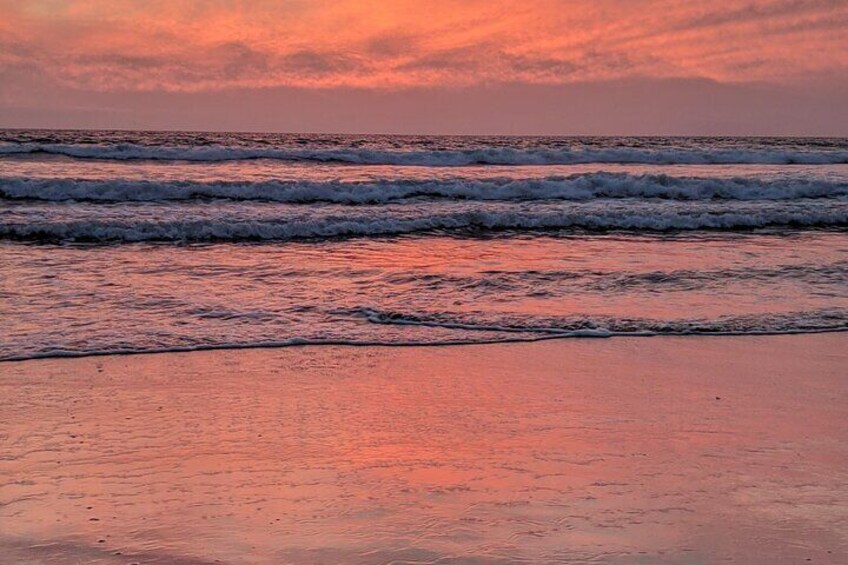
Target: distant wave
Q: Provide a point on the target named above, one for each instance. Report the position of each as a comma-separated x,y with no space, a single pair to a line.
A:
575,187
122,231
505,331
433,158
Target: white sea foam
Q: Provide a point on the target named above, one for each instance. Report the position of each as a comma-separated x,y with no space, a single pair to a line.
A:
118,231
438,158
574,187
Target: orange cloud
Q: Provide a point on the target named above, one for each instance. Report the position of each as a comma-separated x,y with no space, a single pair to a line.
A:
198,45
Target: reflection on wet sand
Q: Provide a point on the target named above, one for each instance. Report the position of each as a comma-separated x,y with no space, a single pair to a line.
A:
628,450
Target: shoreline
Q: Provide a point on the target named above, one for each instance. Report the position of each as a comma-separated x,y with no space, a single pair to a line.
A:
297,342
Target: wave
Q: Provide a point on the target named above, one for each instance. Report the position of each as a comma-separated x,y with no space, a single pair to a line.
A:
433,158
505,331
574,187
474,222
560,282
583,326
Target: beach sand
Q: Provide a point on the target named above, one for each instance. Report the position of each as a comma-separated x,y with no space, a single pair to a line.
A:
630,450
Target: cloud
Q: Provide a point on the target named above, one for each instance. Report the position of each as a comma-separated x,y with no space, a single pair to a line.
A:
311,63
761,12
200,45
390,45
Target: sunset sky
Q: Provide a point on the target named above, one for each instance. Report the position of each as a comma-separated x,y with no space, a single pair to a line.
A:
473,66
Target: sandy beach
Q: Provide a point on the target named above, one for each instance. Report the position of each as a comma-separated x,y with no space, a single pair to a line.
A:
672,450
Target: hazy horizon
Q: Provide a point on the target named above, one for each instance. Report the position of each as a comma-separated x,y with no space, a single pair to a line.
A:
626,107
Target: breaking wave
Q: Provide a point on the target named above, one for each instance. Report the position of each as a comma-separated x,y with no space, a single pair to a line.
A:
125,231
574,187
437,158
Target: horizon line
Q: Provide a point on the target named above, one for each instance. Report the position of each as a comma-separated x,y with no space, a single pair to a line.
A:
386,134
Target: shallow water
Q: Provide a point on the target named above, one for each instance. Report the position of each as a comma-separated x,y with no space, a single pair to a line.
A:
421,290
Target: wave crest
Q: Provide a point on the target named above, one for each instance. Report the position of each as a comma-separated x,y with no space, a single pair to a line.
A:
123,231
438,158
574,187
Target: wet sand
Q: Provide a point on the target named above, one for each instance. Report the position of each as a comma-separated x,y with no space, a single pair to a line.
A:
670,450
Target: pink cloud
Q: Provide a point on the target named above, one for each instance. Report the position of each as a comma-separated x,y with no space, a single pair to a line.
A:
199,45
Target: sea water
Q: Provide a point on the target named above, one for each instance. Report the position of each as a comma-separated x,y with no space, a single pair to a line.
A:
119,242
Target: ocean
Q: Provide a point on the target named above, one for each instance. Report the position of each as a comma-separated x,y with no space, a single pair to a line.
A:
134,242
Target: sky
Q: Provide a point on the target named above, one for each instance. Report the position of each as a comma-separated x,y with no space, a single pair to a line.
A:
735,67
